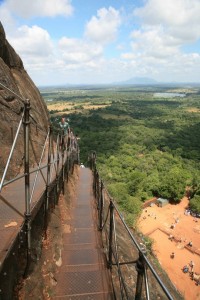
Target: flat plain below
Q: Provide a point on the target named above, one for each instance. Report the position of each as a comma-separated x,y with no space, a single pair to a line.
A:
155,222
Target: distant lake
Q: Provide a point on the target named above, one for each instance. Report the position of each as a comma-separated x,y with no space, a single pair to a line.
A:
169,95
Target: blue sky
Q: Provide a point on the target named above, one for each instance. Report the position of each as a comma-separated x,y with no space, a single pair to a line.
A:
99,41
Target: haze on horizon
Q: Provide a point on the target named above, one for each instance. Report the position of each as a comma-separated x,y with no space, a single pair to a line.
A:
101,42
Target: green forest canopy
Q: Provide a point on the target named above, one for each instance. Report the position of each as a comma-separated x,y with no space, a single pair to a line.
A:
146,146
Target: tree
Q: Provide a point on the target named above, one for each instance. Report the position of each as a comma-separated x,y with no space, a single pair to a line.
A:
195,203
172,184
135,181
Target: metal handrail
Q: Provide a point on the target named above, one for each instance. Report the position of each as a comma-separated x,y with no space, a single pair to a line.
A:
24,174
16,95
51,185
54,154
11,152
34,153
146,283
142,260
12,92
144,256
38,169
26,111
121,280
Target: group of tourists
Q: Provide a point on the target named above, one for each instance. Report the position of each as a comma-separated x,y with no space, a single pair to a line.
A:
189,268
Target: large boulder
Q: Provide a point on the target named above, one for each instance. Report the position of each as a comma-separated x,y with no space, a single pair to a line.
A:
16,86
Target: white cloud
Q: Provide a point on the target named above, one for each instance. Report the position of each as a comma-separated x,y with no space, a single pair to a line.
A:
32,42
177,67
103,28
180,18
77,51
154,42
170,12
7,20
165,27
155,48
72,58
35,8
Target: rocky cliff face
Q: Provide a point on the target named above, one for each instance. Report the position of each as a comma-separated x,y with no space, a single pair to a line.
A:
18,83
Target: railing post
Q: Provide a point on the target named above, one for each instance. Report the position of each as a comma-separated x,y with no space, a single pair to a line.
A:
64,145
111,227
67,167
53,157
48,167
48,182
26,123
97,187
140,269
101,207
58,164
78,155
93,159
94,182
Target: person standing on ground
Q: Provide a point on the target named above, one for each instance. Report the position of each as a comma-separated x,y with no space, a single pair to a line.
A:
192,266
64,126
172,255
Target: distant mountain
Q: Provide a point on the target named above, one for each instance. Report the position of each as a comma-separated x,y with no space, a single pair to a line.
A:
138,80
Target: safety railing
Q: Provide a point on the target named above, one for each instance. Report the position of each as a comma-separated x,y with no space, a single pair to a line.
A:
42,184
133,275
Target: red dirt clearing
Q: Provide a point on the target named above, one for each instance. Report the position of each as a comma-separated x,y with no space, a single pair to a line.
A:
156,222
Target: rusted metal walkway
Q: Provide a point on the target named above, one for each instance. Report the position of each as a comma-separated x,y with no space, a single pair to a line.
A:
83,274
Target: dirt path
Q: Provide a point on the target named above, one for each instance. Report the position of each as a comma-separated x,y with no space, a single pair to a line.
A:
156,222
